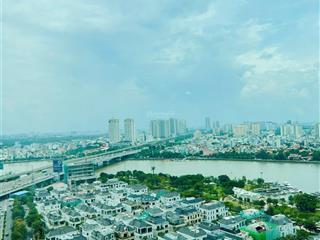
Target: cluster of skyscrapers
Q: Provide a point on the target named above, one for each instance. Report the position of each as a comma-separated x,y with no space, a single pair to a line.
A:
159,128
292,130
289,129
246,128
164,128
214,125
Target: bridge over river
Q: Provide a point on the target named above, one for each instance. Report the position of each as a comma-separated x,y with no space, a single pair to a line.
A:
32,177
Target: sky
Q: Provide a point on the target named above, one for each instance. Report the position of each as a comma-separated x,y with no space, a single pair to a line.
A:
71,65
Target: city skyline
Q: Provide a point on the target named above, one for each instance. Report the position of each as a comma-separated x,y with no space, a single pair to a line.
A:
69,67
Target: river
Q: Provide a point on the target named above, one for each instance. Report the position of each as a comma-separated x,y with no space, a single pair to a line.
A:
304,176
15,168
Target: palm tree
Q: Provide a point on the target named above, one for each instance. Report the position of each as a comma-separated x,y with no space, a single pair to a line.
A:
154,179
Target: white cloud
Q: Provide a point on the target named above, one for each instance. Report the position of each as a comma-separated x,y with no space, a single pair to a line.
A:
177,52
252,31
62,15
196,24
269,73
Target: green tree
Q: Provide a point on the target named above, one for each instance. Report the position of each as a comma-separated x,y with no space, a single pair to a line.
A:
306,202
316,156
19,230
310,225
260,181
18,211
270,211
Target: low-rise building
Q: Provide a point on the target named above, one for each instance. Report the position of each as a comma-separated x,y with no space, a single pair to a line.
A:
62,233
170,198
284,225
189,215
232,223
212,211
191,233
143,230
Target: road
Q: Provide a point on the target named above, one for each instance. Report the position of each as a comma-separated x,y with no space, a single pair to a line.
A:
3,213
25,181
8,222
34,177
41,174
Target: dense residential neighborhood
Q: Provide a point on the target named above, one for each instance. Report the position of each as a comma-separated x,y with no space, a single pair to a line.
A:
250,140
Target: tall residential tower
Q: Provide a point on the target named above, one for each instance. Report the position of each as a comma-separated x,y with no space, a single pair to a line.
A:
114,131
129,130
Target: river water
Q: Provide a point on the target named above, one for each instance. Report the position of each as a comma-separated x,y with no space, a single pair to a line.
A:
304,176
15,168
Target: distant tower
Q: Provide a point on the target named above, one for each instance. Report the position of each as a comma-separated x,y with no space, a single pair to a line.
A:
239,130
129,130
317,130
255,128
114,131
160,128
207,123
173,127
154,129
287,129
164,128
182,126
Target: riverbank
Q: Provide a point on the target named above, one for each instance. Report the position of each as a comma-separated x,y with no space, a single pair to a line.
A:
301,175
227,159
189,158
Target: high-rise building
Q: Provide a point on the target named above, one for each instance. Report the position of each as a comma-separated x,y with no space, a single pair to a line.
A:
173,127
154,129
317,130
114,131
297,131
160,128
164,128
255,128
216,124
287,130
240,130
129,130
227,128
207,124
182,126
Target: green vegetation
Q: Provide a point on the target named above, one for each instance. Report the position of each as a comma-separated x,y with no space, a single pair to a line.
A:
301,235
316,155
188,185
305,202
18,211
19,230
33,219
158,151
161,152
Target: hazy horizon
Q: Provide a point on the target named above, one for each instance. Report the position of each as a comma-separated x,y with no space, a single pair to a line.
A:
72,65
